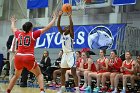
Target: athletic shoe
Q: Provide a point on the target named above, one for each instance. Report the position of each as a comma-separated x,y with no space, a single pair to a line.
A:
42,92
88,89
62,90
103,89
83,87
96,89
109,90
58,85
123,91
115,91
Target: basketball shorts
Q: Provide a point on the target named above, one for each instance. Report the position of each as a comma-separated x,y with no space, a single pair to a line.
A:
68,60
25,60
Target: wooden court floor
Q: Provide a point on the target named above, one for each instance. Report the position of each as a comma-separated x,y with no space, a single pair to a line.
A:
18,89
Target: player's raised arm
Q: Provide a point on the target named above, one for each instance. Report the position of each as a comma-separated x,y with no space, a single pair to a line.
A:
71,26
58,22
13,24
49,25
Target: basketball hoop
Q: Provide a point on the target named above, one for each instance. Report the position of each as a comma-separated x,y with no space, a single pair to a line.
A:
80,4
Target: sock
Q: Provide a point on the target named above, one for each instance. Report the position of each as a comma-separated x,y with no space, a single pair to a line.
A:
115,89
97,87
103,86
8,90
63,89
85,85
41,89
77,88
62,86
111,87
123,88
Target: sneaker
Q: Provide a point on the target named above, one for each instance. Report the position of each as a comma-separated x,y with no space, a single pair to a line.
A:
133,90
96,89
67,84
23,84
62,90
109,90
114,91
42,92
88,89
123,91
103,89
58,85
83,87
51,85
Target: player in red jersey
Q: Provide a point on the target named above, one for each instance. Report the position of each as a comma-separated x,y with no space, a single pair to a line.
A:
102,67
127,69
25,53
114,65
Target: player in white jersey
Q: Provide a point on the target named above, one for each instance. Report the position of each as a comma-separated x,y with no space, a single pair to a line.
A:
68,58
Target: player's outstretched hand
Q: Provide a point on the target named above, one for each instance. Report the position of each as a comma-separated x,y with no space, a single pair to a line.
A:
13,19
54,15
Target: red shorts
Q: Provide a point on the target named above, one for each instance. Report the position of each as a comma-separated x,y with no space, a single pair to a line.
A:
27,61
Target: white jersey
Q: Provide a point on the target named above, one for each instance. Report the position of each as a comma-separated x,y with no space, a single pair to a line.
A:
67,43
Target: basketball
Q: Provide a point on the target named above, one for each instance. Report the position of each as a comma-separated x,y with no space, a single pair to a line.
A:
67,8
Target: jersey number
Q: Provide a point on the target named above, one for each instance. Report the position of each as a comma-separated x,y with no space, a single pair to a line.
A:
27,41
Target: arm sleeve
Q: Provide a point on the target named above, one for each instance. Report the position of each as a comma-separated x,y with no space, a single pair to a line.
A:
36,34
48,62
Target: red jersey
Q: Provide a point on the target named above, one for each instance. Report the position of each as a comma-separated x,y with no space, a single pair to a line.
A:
78,62
26,41
85,65
128,66
100,66
93,67
117,63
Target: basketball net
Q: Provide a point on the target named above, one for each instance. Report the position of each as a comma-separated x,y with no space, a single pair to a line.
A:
80,4
58,7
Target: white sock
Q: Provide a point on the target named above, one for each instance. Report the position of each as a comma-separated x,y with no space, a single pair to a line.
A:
77,88
115,89
62,86
123,88
111,87
97,87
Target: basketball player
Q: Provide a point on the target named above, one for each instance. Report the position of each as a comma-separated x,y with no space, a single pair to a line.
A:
25,53
68,58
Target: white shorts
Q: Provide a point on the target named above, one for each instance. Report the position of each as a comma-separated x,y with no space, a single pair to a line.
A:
68,60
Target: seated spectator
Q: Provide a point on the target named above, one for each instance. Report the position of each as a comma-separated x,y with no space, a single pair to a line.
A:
54,70
102,67
85,67
45,63
114,65
127,69
136,75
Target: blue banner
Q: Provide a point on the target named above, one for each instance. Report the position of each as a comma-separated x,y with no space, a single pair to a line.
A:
32,4
65,1
88,36
124,2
